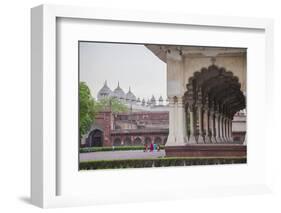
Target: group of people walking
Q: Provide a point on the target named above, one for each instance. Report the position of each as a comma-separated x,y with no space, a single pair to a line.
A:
153,147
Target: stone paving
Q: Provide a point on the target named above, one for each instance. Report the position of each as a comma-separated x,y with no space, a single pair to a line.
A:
115,155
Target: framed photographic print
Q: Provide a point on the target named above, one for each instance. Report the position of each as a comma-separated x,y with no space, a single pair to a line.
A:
201,121
148,105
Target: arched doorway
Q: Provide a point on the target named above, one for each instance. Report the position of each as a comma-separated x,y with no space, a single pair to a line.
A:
127,141
96,138
137,141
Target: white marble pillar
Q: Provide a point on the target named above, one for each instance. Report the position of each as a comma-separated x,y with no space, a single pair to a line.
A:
200,138
212,127
175,90
226,129
218,131
180,134
192,139
215,126
222,129
171,137
207,125
230,131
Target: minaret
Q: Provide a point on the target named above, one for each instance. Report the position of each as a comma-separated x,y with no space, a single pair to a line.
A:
153,100
160,100
143,102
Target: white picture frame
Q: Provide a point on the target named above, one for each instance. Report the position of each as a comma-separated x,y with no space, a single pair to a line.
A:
44,148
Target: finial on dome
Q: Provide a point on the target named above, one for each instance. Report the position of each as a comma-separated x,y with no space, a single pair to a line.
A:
129,88
118,84
105,83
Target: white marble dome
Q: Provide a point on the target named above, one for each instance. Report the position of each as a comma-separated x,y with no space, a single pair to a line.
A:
104,92
143,102
130,96
119,93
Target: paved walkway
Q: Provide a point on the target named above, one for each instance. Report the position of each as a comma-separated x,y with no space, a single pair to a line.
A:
115,155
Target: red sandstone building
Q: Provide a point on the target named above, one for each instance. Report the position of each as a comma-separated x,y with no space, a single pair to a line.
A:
133,128
140,128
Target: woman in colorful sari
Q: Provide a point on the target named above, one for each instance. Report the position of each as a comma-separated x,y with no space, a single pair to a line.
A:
151,147
155,147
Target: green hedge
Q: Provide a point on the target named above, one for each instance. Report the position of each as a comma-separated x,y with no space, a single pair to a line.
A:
159,162
116,148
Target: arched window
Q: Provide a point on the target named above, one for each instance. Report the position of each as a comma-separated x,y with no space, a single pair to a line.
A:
128,141
95,138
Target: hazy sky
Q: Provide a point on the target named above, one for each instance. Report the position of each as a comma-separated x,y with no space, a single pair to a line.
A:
130,64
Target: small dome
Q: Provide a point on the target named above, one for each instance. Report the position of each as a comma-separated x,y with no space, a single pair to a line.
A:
160,100
138,100
153,100
104,92
143,102
119,93
130,96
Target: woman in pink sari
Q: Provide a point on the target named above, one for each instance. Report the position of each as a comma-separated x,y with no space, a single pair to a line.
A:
151,147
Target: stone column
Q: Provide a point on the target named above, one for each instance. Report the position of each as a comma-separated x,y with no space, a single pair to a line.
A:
192,139
175,89
171,137
212,126
222,128
206,124
218,133
200,119
230,130
199,105
226,129
181,136
215,131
